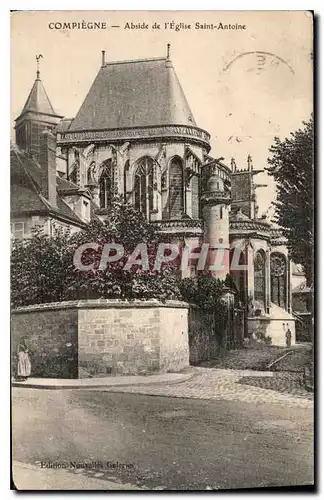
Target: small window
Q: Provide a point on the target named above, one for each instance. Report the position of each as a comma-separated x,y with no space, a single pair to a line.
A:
85,209
17,230
221,212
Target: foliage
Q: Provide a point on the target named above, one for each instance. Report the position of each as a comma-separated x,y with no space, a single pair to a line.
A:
38,267
292,167
42,268
204,291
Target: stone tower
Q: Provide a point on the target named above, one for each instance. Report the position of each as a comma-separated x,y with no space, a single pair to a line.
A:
37,115
216,202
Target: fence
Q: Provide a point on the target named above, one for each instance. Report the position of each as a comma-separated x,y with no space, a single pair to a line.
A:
210,335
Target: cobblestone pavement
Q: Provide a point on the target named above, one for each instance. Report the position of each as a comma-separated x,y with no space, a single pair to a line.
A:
218,384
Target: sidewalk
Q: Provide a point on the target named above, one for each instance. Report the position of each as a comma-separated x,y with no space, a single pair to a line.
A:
29,477
95,383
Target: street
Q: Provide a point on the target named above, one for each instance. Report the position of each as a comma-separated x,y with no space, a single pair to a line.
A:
164,442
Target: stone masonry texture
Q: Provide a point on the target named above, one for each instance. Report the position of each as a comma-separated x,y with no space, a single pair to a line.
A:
101,337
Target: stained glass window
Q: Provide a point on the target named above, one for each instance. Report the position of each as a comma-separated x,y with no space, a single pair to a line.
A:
106,185
144,186
259,277
278,272
176,191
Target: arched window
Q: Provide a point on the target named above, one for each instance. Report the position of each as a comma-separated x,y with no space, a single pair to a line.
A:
259,277
126,171
195,196
143,186
278,273
74,175
106,184
176,191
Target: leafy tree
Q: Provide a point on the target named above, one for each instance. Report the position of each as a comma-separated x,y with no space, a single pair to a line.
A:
43,270
38,266
292,167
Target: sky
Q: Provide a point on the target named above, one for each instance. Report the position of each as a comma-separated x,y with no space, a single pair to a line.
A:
243,86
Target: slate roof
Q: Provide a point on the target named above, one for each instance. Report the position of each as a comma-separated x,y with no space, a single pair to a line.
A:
38,100
134,94
238,216
26,188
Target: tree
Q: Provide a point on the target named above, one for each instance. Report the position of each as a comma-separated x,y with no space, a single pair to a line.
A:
38,268
292,167
42,267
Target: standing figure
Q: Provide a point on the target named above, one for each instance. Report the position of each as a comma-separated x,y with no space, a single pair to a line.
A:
288,336
24,364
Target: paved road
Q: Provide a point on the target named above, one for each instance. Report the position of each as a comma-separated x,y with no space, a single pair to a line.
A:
218,384
172,443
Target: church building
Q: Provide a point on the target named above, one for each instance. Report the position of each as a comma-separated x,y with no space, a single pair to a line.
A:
135,135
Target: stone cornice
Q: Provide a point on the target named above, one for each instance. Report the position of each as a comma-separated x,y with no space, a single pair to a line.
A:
250,225
216,197
175,132
186,227
100,304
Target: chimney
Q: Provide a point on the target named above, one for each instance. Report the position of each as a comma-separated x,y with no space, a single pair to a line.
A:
103,59
47,160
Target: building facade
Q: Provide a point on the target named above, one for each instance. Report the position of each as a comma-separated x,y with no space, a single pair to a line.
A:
135,135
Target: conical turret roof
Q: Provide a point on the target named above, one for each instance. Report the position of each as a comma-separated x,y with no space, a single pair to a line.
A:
38,100
137,93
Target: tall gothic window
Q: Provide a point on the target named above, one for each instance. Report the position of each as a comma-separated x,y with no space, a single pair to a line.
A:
106,184
143,186
259,277
278,272
195,197
126,170
176,190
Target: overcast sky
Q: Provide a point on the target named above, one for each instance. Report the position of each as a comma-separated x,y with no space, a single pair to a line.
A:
241,97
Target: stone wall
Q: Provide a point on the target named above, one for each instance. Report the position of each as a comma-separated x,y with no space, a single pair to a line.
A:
52,338
95,338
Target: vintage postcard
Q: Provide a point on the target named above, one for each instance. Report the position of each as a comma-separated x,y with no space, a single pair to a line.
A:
162,235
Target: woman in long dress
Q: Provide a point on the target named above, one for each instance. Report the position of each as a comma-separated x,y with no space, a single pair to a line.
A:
24,364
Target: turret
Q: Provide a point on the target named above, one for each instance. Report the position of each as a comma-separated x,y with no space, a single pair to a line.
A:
216,225
37,115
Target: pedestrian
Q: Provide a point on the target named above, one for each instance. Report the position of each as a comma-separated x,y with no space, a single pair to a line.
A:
288,336
24,364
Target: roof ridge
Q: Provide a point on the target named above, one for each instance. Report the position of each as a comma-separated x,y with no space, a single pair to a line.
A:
127,61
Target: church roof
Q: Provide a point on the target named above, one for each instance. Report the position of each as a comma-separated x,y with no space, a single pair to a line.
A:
239,216
135,93
38,100
26,188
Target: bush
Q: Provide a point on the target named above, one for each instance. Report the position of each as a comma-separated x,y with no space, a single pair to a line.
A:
42,268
